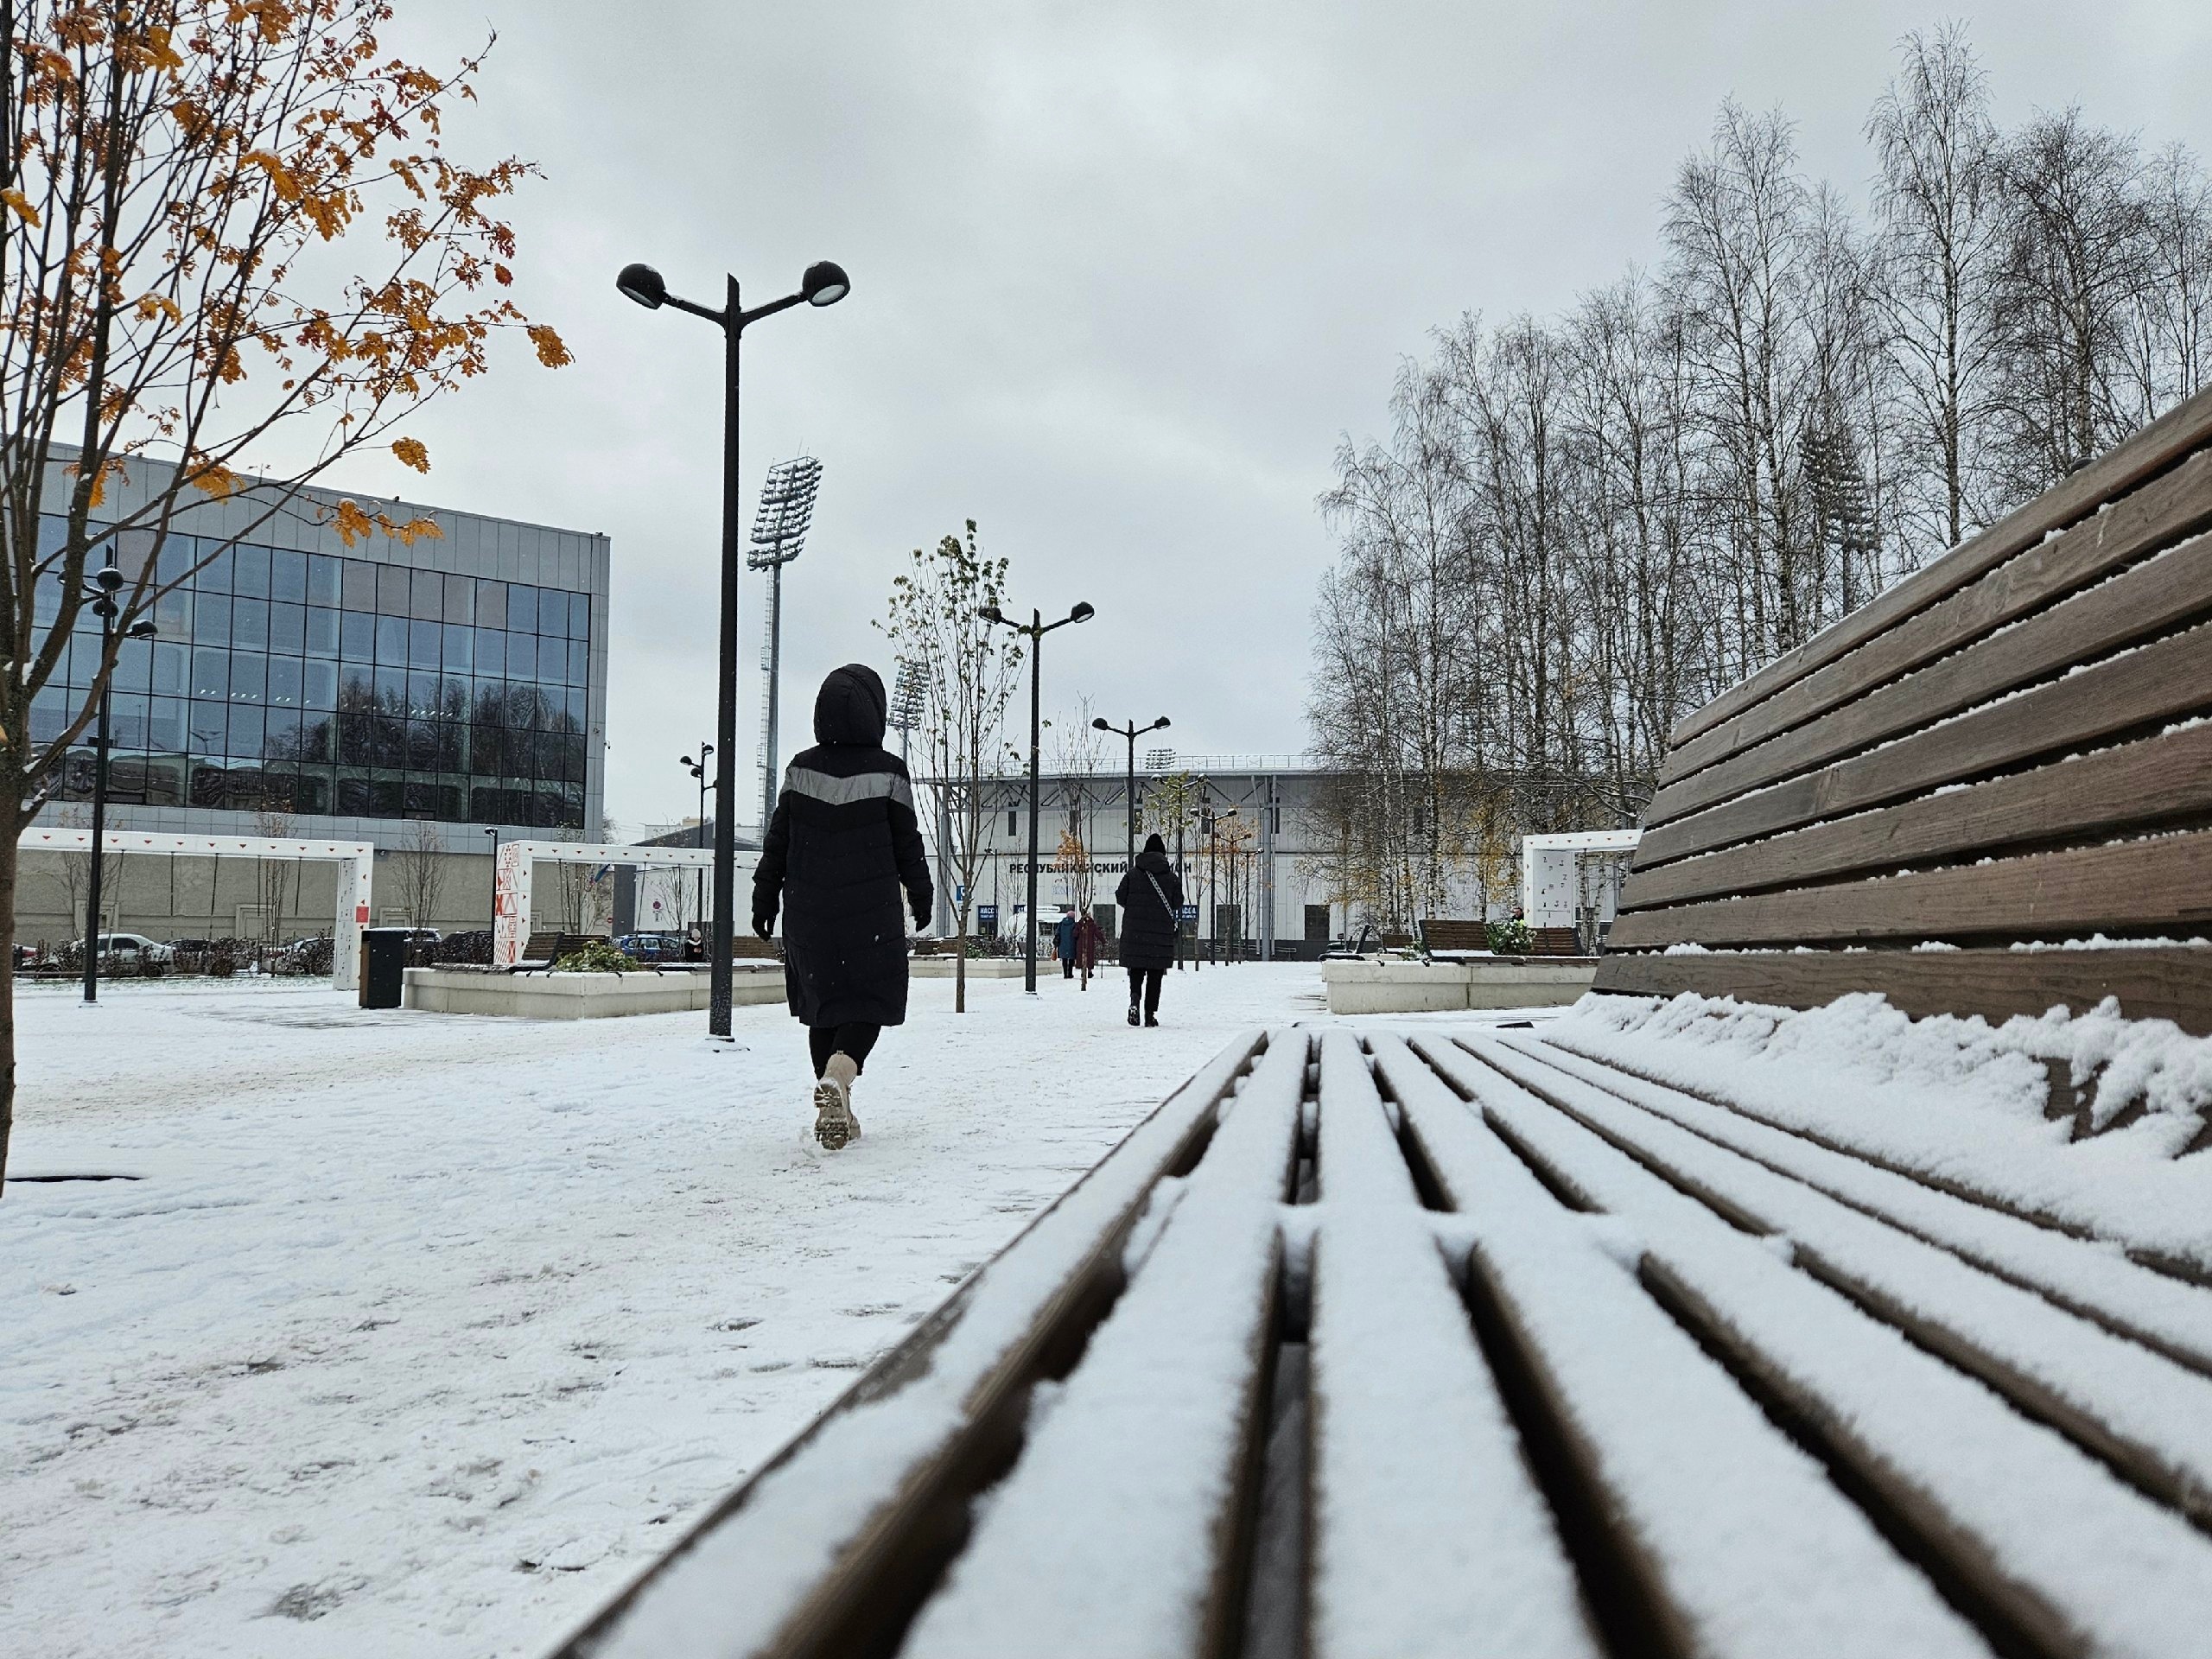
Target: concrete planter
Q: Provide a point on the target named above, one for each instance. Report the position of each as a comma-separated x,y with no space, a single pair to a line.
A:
585,997
978,967
1402,987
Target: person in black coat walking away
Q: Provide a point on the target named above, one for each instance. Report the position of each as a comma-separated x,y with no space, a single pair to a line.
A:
1150,898
842,844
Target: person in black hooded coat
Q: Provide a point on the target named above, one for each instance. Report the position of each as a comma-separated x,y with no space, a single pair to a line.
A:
1150,898
842,844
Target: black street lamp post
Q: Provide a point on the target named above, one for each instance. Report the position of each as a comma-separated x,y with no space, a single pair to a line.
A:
698,770
492,950
824,283
1132,732
101,590
1035,628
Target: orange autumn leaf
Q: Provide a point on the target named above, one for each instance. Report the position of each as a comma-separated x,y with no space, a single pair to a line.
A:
412,453
551,351
21,204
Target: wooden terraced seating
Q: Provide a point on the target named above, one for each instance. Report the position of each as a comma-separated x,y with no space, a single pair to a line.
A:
2008,749
1477,1342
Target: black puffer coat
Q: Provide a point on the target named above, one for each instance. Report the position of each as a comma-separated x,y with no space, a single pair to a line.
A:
841,844
1149,930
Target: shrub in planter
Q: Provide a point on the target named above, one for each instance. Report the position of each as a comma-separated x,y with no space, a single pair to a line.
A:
1510,938
598,957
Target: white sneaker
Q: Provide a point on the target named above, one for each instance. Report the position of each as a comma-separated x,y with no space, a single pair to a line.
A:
834,1122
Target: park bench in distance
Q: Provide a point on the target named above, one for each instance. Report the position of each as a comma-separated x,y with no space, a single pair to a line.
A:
2007,748
1464,1343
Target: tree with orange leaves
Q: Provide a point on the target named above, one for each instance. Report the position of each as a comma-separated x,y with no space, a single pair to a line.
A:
230,237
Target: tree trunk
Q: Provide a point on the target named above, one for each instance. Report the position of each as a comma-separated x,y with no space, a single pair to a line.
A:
960,965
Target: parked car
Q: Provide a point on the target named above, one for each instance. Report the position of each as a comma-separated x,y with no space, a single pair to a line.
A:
650,947
27,957
133,947
191,946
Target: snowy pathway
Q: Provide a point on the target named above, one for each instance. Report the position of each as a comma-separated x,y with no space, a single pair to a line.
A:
419,1332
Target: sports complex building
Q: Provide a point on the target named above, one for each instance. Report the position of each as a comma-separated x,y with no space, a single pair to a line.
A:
410,696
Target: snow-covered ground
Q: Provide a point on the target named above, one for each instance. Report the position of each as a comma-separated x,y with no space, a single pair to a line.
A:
419,1333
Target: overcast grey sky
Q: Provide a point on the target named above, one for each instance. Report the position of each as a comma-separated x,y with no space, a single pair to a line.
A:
1123,274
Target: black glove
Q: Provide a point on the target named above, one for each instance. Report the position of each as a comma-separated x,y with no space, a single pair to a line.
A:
921,910
764,922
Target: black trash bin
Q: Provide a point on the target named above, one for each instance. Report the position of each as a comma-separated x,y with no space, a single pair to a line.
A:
384,966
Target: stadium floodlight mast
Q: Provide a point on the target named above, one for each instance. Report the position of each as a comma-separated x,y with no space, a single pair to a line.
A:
1132,732
779,537
824,283
102,590
1035,629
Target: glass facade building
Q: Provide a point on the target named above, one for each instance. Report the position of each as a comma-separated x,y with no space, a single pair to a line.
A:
361,683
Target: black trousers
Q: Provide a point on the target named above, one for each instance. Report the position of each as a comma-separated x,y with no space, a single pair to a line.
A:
1067,967
852,1041
1144,986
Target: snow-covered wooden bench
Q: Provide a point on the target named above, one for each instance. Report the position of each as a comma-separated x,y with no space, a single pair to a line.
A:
1492,1341
1950,795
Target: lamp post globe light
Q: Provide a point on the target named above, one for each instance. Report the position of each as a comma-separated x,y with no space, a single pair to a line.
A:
102,590
1132,732
698,770
1035,629
824,283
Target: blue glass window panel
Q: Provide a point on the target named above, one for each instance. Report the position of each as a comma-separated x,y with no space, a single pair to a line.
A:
522,609
249,623
211,673
283,739
211,620
179,555
246,732
86,622
359,586
173,615
579,661
319,687
576,704
165,725
209,729
288,629
391,590
76,664
427,596
460,600
490,651
314,737
214,576
526,708
357,686
46,599
323,584
392,689
490,702
287,575
491,604
249,676
49,714
422,694
169,664
250,571
522,656
320,631
422,744
126,720
134,666
285,686
53,531
357,637
579,616
424,642
391,641
460,655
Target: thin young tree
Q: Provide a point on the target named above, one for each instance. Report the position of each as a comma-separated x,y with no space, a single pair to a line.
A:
968,670
234,253
418,867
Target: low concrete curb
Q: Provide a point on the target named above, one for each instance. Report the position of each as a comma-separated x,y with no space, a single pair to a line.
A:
1402,987
584,997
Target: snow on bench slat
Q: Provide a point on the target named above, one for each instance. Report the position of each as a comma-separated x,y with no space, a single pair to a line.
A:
2138,1196
1426,1524
2069,1553
1752,1550
2089,1278
1109,1536
748,1572
2150,1415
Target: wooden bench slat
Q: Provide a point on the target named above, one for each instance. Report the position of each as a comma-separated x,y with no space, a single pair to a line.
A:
2135,785
2163,882
2139,1410
2170,1317
1426,1526
1114,1531
2162,511
799,1557
2173,436
2041,1532
1746,1541
2170,982
2165,680
2152,597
